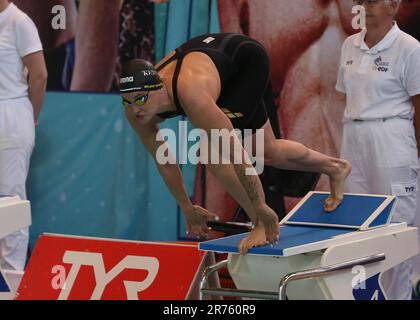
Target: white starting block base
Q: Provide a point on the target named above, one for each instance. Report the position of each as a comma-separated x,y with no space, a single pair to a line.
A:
263,273
322,242
12,279
15,214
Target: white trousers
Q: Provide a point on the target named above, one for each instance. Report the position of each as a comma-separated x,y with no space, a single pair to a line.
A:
385,161
17,139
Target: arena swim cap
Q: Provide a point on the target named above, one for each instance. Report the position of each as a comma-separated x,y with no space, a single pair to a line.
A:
139,75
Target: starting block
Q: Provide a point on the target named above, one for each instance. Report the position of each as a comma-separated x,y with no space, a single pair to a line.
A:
338,255
15,214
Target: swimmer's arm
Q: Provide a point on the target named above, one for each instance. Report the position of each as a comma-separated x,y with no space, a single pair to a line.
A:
416,103
170,173
205,114
37,80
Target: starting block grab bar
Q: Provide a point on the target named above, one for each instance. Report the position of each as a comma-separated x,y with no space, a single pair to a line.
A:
281,294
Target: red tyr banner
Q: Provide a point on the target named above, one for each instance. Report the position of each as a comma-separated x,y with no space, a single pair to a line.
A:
79,268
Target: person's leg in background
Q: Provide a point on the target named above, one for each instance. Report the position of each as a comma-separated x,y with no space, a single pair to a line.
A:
356,182
17,138
399,179
398,282
384,158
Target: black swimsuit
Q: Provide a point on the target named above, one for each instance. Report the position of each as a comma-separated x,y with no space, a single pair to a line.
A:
244,72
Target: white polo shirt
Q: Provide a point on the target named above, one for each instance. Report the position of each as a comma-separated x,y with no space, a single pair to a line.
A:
379,82
18,38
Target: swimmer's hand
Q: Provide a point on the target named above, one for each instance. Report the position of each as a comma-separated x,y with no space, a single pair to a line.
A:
269,219
197,218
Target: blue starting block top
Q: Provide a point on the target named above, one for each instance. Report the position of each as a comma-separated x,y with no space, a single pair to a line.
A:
290,236
4,288
358,212
308,223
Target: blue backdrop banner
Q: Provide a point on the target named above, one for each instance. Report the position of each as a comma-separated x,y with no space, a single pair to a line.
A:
91,176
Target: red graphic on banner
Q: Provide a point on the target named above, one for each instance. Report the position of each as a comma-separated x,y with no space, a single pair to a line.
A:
69,268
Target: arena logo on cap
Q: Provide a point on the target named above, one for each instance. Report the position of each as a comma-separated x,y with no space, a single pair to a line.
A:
127,79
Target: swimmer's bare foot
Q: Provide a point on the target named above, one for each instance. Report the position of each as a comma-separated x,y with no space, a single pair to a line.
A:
337,178
255,238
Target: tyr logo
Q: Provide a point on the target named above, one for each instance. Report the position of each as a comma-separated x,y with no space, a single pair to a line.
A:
102,278
410,189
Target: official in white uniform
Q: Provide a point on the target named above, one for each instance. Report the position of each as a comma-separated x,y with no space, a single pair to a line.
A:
380,75
23,78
